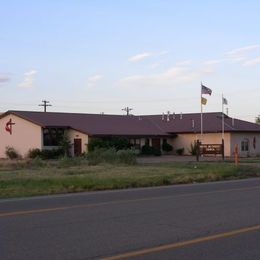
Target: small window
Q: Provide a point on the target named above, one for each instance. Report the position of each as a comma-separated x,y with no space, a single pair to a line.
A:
245,145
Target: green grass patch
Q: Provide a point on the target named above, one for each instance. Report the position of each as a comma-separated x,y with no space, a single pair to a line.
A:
37,177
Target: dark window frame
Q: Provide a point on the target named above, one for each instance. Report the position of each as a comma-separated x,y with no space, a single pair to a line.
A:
52,136
245,145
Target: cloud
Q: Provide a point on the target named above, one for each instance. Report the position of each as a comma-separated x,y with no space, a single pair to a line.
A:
183,63
28,79
241,54
214,62
144,55
155,65
140,56
4,78
173,76
243,50
252,62
92,80
161,53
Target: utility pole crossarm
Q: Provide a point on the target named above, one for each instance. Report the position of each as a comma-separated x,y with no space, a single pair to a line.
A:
45,104
127,109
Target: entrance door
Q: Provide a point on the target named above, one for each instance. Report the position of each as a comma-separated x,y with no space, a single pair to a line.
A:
77,147
156,143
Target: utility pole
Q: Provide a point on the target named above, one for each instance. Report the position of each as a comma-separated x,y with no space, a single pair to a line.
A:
127,109
45,104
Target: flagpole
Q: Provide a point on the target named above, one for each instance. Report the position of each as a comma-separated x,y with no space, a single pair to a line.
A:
201,112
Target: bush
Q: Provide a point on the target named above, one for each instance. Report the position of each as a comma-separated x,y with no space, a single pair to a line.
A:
100,155
157,151
66,162
118,143
111,156
11,153
51,154
65,146
34,153
193,148
180,151
37,162
46,153
149,150
166,147
127,156
96,143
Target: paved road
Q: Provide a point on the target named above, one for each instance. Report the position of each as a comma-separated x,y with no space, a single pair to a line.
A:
199,221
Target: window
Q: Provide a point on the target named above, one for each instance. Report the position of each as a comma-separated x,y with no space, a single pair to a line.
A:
52,136
245,145
135,143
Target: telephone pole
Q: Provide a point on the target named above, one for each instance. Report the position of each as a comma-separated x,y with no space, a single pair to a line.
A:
127,109
45,104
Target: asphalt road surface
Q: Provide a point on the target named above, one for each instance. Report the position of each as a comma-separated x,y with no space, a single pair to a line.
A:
198,221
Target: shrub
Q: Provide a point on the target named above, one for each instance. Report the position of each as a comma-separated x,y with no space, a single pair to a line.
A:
11,153
34,153
65,146
51,154
65,162
111,156
37,162
180,151
100,155
193,148
166,147
46,153
127,156
157,151
96,143
118,143
149,150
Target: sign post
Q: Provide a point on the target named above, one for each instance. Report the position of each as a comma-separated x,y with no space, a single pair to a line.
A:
197,148
236,154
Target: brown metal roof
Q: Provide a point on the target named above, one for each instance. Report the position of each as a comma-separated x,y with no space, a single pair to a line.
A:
191,123
94,124
147,125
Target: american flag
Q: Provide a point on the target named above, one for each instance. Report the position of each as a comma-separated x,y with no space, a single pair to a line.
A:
205,90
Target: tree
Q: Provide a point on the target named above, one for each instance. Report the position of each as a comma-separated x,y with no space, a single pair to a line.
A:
65,145
257,119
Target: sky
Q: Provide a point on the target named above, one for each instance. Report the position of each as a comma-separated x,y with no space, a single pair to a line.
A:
100,56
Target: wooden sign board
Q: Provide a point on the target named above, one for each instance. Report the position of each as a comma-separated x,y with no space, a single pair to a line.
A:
211,149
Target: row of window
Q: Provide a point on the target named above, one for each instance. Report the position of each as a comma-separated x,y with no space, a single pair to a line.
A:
53,137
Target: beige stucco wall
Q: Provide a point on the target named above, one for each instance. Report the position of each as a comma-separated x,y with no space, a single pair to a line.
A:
72,134
237,138
185,141
25,136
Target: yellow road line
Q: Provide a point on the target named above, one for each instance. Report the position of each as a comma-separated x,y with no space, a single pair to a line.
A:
182,243
44,210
